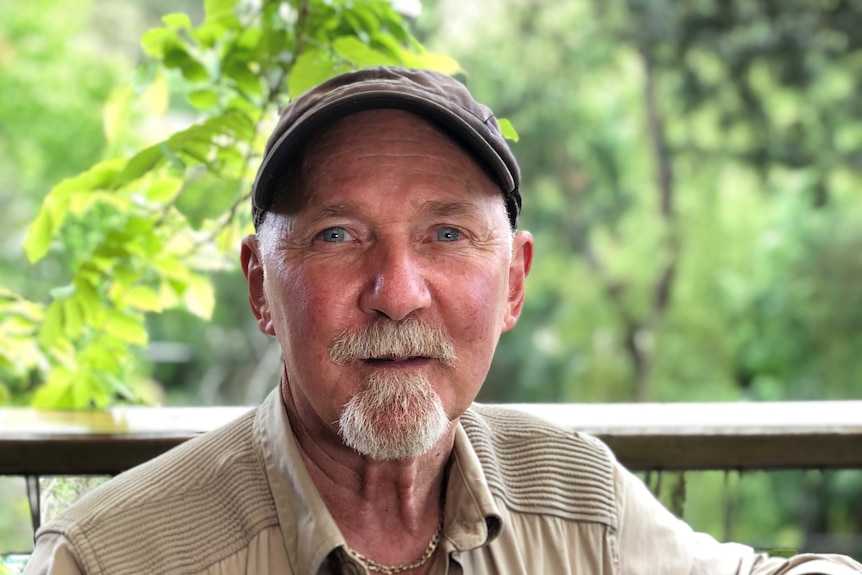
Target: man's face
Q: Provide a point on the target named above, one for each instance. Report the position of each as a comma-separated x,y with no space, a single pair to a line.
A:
399,227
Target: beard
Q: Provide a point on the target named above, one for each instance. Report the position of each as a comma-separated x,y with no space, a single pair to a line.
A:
396,414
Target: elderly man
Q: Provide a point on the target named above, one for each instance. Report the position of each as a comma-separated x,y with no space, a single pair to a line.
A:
387,264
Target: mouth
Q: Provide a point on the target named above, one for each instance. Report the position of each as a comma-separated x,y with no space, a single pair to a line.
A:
399,362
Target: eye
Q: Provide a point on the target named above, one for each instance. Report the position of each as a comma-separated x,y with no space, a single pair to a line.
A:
449,234
334,235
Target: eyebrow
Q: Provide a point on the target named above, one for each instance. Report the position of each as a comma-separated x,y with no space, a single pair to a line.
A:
437,208
431,207
332,211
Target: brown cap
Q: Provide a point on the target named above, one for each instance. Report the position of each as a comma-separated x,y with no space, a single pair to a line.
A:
436,97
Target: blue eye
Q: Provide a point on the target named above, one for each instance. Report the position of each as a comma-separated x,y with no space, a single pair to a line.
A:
449,234
334,235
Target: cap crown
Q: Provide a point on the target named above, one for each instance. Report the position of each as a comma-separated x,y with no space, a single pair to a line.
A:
436,97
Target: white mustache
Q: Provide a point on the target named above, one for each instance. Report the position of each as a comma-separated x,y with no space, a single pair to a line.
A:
387,339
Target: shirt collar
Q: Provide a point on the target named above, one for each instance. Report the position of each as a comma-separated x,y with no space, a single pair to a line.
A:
471,517
308,530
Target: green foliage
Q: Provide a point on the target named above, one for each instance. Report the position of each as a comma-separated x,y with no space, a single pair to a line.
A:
59,493
691,175
47,102
141,232
14,518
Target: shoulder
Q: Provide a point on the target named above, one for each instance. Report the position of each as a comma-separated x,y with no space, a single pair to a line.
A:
215,480
536,467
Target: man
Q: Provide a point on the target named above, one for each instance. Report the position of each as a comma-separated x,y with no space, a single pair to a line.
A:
387,264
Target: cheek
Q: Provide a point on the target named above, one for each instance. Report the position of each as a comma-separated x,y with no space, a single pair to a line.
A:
491,295
308,301
300,324
480,311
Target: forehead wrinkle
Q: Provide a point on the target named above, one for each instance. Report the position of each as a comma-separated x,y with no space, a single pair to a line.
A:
453,208
321,211
428,207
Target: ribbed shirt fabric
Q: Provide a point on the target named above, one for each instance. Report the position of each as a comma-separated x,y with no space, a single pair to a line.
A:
523,496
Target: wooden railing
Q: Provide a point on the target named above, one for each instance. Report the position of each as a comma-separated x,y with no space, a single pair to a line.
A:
644,437
740,436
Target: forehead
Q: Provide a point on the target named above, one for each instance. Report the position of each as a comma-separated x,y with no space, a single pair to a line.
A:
381,125
386,147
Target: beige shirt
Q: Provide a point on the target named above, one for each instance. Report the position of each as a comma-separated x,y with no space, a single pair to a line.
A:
523,497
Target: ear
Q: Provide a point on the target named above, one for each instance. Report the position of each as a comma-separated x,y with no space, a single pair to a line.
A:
252,267
519,268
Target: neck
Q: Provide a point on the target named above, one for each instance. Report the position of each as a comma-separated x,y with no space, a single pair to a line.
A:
387,510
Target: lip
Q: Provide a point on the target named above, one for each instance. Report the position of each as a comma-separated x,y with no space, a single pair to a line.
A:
412,362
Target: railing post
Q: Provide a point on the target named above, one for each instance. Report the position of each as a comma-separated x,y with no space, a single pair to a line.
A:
34,497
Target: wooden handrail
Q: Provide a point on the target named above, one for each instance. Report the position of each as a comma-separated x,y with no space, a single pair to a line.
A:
671,436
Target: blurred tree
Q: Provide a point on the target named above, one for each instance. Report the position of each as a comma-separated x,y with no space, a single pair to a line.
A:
691,173
59,61
140,232
686,169
52,85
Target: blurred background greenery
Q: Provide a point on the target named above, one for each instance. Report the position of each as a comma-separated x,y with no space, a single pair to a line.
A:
691,172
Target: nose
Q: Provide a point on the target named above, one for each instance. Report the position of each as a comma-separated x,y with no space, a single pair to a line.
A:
397,285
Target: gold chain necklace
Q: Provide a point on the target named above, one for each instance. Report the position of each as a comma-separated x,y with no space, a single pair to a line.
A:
390,570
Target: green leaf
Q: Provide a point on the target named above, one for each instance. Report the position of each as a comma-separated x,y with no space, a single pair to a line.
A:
57,392
168,294
64,292
177,21
88,298
508,129
104,356
173,269
243,105
198,141
216,8
55,207
128,328
101,176
199,296
360,54
39,236
52,328
248,82
203,99
432,61
164,189
355,23
205,195
116,112
191,69
158,41
73,318
141,163
209,33
238,124
311,68
87,391
389,43
142,298
250,38
155,98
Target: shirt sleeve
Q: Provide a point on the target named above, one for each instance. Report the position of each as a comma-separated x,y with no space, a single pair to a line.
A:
650,539
53,555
